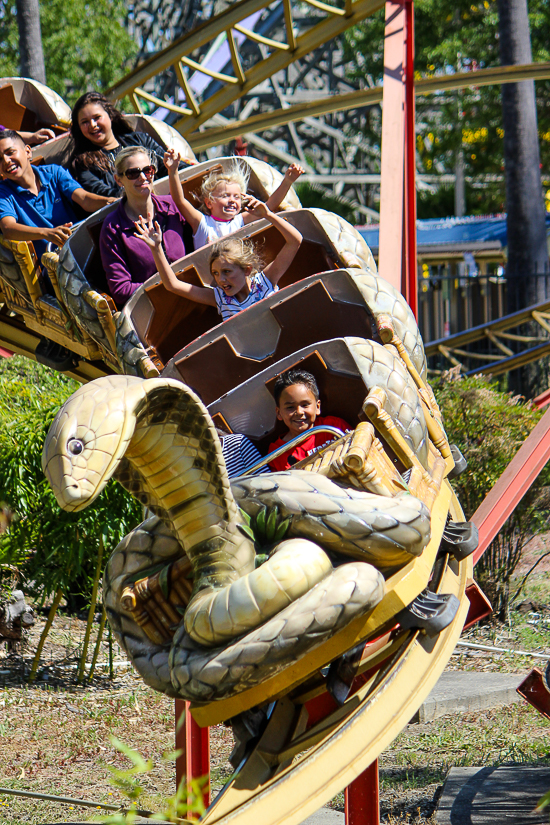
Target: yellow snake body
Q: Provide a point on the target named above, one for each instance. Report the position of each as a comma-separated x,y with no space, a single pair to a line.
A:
238,625
158,440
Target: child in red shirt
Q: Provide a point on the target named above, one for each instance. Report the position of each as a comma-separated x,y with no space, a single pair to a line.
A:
298,406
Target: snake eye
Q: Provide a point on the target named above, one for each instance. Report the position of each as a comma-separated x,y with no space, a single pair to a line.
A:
75,446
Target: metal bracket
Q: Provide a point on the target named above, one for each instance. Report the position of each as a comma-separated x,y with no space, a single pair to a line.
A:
342,672
460,462
480,606
460,539
535,689
429,612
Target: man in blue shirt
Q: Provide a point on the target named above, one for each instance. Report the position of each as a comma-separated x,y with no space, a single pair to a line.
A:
36,201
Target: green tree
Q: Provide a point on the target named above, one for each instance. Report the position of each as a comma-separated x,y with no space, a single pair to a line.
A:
448,39
54,550
86,46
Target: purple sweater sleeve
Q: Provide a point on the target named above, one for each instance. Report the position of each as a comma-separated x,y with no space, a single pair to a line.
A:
114,262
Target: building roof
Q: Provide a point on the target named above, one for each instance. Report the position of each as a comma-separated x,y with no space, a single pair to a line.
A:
469,234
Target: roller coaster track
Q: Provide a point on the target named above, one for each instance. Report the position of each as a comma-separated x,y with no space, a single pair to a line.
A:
328,21
17,338
488,348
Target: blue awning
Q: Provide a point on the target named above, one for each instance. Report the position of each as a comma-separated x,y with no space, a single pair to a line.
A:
452,231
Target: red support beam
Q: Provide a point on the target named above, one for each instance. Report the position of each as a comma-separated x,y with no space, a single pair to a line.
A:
397,251
194,744
392,163
397,244
514,482
362,798
410,270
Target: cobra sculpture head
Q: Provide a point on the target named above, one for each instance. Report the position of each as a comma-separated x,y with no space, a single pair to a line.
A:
90,435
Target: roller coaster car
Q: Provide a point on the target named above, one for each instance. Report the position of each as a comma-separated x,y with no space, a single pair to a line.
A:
337,708
308,729
166,324
308,724
342,704
29,105
155,324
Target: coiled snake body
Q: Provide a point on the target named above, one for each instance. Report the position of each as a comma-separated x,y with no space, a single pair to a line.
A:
241,624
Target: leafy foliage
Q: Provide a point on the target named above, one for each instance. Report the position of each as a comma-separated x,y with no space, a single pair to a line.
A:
128,782
448,39
54,549
86,46
313,197
489,426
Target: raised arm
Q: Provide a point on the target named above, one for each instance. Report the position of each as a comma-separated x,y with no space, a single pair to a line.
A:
187,210
275,270
152,235
38,137
291,175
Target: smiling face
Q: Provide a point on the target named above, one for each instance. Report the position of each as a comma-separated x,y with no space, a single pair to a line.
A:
95,124
142,186
232,278
15,159
225,201
298,408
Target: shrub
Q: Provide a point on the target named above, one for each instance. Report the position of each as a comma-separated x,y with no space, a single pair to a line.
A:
489,427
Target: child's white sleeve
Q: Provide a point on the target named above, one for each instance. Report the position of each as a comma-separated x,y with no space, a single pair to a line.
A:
202,235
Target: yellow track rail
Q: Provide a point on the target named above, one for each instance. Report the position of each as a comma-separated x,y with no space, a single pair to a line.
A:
21,340
180,55
183,57
364,97
500,334
290,774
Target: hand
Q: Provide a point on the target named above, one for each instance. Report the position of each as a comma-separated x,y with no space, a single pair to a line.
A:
171,160
152,235
256,208
293,172
41,136
59,234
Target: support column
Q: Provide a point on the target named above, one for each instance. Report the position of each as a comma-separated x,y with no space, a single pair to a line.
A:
362,798
194,742
397,244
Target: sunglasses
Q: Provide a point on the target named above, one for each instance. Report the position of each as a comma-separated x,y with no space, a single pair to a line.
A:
134,173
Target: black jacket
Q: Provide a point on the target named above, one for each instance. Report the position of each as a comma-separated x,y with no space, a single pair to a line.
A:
103,182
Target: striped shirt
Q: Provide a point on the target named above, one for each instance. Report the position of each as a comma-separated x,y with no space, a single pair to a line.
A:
260,287
239,453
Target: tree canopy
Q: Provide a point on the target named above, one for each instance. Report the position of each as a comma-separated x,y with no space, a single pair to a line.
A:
52,548
86,46
462,36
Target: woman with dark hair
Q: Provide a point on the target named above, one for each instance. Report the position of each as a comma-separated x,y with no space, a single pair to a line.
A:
99,132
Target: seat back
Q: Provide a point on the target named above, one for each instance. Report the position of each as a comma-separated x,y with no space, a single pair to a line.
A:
250,407
170,322
325,305
14,115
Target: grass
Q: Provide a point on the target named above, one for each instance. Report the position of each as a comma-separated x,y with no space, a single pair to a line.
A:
58,741
55,736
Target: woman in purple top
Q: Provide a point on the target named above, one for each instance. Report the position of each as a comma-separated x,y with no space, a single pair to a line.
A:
127,260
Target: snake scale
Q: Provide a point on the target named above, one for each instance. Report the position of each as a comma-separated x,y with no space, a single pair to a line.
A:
241,625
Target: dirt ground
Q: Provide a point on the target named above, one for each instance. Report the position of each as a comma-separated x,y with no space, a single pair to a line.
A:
56,737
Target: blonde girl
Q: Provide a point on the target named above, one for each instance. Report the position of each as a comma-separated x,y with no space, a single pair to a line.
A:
234,263
224,196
